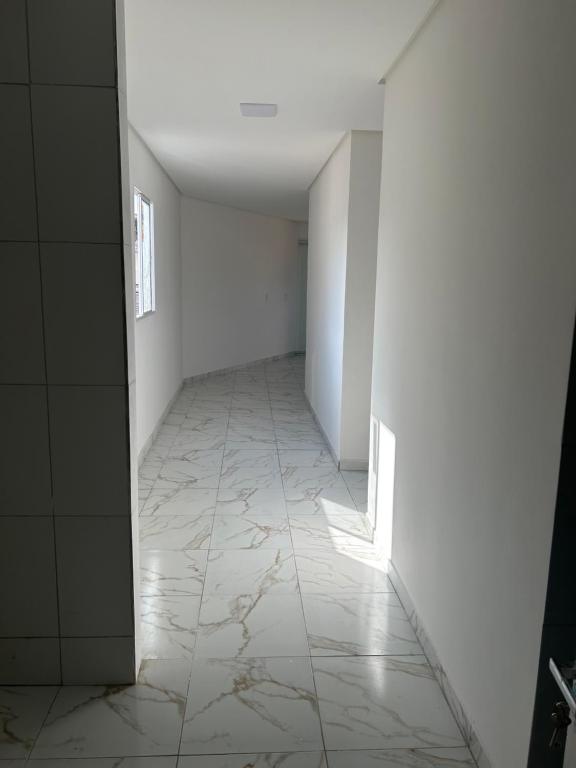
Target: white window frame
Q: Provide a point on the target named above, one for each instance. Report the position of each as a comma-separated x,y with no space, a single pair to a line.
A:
139,252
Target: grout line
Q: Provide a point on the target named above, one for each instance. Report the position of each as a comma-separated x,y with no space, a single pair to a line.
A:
45,359
320,723
193,659
63,242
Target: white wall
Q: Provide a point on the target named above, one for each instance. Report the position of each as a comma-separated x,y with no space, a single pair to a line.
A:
342,240
239,286
360,290
327,251
302,293
158,336
475,305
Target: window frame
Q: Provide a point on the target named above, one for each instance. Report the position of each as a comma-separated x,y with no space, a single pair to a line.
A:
138,199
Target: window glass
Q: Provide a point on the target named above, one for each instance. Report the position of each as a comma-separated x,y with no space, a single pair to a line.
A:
143,254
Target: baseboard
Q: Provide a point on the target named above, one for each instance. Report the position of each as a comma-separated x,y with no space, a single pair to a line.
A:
353,464
243,366
148,444
360,465
456,707
321,428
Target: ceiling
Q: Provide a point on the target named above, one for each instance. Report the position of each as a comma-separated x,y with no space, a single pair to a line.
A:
191,62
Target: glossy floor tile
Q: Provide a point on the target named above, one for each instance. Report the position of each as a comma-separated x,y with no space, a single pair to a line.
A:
382,702
312,478
248,468
180,501
251,572
251,501
168,572
402,758
22,712
197,468
341,572
182,532
252,626
324,502
98,721
168,625
264,705
266,760
340,533
358,625
263,531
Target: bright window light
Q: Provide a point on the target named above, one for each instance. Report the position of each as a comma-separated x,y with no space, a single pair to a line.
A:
144,254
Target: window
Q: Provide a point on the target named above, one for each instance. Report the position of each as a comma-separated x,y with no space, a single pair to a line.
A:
144,254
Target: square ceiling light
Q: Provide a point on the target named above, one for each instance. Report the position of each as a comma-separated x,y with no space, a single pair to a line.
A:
248,109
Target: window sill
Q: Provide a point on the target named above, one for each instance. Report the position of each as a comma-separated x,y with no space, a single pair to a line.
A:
146,314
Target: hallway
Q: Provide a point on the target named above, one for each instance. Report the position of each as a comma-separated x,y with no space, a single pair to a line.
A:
269,625
260,587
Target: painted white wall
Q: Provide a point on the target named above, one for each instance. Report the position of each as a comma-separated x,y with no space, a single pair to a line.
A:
342,242
239,286
302,293
475,305
327,252
158,343
364,209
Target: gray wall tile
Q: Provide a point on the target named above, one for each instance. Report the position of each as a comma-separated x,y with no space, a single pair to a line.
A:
17,198
30,661
25,485
13,42
97,660
90,470
94,576
83,313
27,577
60,140
77,164
72,42
21,340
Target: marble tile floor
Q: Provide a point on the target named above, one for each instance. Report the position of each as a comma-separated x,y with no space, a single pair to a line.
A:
271,634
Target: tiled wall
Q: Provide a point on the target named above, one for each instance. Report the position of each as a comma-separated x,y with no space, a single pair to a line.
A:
66,578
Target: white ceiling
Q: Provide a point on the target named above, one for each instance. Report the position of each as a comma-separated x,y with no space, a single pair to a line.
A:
191,62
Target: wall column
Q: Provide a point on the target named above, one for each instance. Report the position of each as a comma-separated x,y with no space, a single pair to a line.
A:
66,488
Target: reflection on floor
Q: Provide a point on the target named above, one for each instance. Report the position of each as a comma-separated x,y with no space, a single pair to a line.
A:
271,633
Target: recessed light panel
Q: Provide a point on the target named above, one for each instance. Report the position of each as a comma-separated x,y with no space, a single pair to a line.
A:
248,109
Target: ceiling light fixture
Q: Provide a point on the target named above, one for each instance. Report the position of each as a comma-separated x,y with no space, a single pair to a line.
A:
248,109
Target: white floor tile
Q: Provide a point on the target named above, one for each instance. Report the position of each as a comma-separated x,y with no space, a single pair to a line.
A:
402,758
328,572
22,712
264,531
180,501
168,572
250,469
251,626
251,502
358,625
171,532
267,760
250,572
263,705
168,625
396,703
95,721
